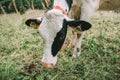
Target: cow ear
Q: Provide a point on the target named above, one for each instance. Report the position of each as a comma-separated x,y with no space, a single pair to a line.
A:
33,22
83,25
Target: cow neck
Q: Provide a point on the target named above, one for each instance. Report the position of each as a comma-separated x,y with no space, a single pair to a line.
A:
61,9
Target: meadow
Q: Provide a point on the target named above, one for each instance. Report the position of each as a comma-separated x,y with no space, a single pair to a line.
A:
21,50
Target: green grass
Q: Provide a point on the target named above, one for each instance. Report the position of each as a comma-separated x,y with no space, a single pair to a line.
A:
21,50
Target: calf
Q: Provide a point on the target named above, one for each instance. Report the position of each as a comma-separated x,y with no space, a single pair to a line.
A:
53,29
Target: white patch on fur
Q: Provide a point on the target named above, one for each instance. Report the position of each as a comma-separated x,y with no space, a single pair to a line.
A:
51,24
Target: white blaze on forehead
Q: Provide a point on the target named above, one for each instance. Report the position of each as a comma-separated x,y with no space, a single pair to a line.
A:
52,20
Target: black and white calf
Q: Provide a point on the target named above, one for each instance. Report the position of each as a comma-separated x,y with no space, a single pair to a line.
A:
53,29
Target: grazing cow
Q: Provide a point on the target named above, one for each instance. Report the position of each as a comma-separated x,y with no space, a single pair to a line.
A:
53,28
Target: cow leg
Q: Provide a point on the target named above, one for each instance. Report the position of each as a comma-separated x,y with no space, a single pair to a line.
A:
74,14
76,40
72,42
77,48
88,8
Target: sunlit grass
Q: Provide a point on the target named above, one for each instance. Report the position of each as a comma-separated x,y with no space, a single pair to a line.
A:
21,50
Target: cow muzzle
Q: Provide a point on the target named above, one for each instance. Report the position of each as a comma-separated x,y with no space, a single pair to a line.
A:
48,65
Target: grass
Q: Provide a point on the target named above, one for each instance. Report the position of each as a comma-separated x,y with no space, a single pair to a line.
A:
21,50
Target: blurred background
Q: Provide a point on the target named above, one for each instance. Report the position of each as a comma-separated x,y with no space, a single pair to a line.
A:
21,6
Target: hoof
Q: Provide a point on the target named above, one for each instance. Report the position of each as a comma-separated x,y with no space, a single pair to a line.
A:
47,65
74,56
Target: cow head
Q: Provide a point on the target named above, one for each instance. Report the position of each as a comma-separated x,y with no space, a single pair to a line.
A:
53,29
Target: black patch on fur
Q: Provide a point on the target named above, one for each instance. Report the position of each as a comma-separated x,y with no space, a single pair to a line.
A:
33,22
83,25
59,39
69,3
